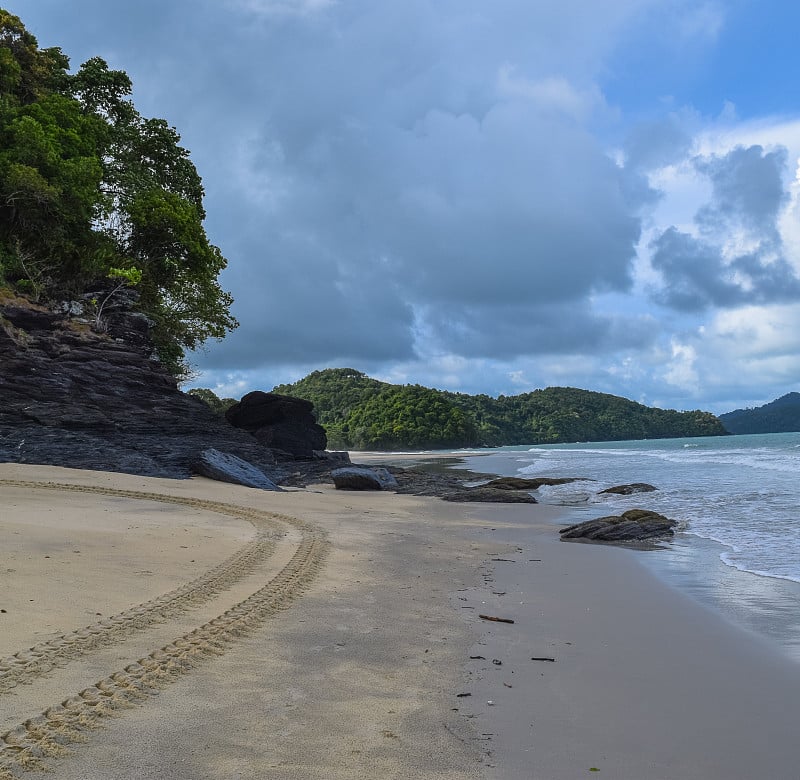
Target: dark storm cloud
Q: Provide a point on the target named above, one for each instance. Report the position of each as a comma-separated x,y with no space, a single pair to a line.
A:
748,190
508,331
408,169
707,271
698,277
368,162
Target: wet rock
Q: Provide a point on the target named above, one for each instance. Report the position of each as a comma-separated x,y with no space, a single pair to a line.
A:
518,483
633,487
635,525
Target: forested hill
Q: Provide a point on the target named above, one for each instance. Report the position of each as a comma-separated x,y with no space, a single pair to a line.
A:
779,416
359,412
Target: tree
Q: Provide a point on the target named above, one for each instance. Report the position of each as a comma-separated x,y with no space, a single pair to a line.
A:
88,185
210,398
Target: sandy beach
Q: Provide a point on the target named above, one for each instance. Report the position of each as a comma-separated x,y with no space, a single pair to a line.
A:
233,633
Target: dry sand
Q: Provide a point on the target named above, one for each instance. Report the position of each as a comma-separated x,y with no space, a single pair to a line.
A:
347,662
354,678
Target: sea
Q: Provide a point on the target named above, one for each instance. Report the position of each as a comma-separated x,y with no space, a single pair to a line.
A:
737,499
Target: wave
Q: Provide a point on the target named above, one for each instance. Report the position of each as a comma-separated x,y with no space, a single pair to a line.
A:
725,558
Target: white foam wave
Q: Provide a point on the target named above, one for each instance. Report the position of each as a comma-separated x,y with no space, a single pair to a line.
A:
728,561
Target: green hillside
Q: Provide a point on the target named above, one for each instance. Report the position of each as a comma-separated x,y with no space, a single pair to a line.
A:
362,413
779,416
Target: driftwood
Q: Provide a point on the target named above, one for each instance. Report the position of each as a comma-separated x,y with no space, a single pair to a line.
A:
543,658
495,619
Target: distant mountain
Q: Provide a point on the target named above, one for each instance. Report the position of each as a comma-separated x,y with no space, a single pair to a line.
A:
779,416
362,413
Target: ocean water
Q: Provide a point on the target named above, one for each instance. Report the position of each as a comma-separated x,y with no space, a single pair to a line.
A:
737,499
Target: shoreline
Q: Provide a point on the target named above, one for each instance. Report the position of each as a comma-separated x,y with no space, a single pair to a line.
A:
756,602
645,682
360,675
732,647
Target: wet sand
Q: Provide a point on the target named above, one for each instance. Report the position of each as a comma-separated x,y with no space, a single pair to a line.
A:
645,681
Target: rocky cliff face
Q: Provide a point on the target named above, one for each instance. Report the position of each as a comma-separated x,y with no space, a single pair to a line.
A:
72,397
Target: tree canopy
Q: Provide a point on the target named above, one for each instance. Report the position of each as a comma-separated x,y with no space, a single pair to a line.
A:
88,185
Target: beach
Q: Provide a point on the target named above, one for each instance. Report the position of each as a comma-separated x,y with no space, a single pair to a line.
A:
351,657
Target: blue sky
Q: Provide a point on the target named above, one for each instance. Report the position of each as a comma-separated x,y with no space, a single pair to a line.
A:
485,197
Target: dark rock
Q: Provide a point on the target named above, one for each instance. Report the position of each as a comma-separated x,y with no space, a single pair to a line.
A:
257,409
280,422
225,467
635,525
72,397
362,478
491,495
627,490
518,483
332,456
298,438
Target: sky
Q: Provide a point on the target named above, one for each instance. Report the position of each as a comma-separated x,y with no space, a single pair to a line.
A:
484,196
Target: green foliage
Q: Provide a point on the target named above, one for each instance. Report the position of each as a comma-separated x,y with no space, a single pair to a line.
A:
568,414
88,185
362,413
779,416
335,393
408,417
131,276
209,397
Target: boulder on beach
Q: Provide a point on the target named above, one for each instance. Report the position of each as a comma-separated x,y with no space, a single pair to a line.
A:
627,490
363,478
635,525
280,422
225,467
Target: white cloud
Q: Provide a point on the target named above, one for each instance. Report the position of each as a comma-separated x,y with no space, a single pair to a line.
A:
755,332
285,7
702,20
553,93
680,370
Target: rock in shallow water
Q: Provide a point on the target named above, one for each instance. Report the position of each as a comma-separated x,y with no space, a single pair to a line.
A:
518,483
627,490
635,525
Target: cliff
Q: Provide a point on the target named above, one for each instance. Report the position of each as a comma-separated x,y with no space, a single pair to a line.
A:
70,396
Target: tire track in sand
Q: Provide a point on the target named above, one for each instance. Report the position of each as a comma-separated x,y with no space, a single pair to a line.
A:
48,735
24,666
